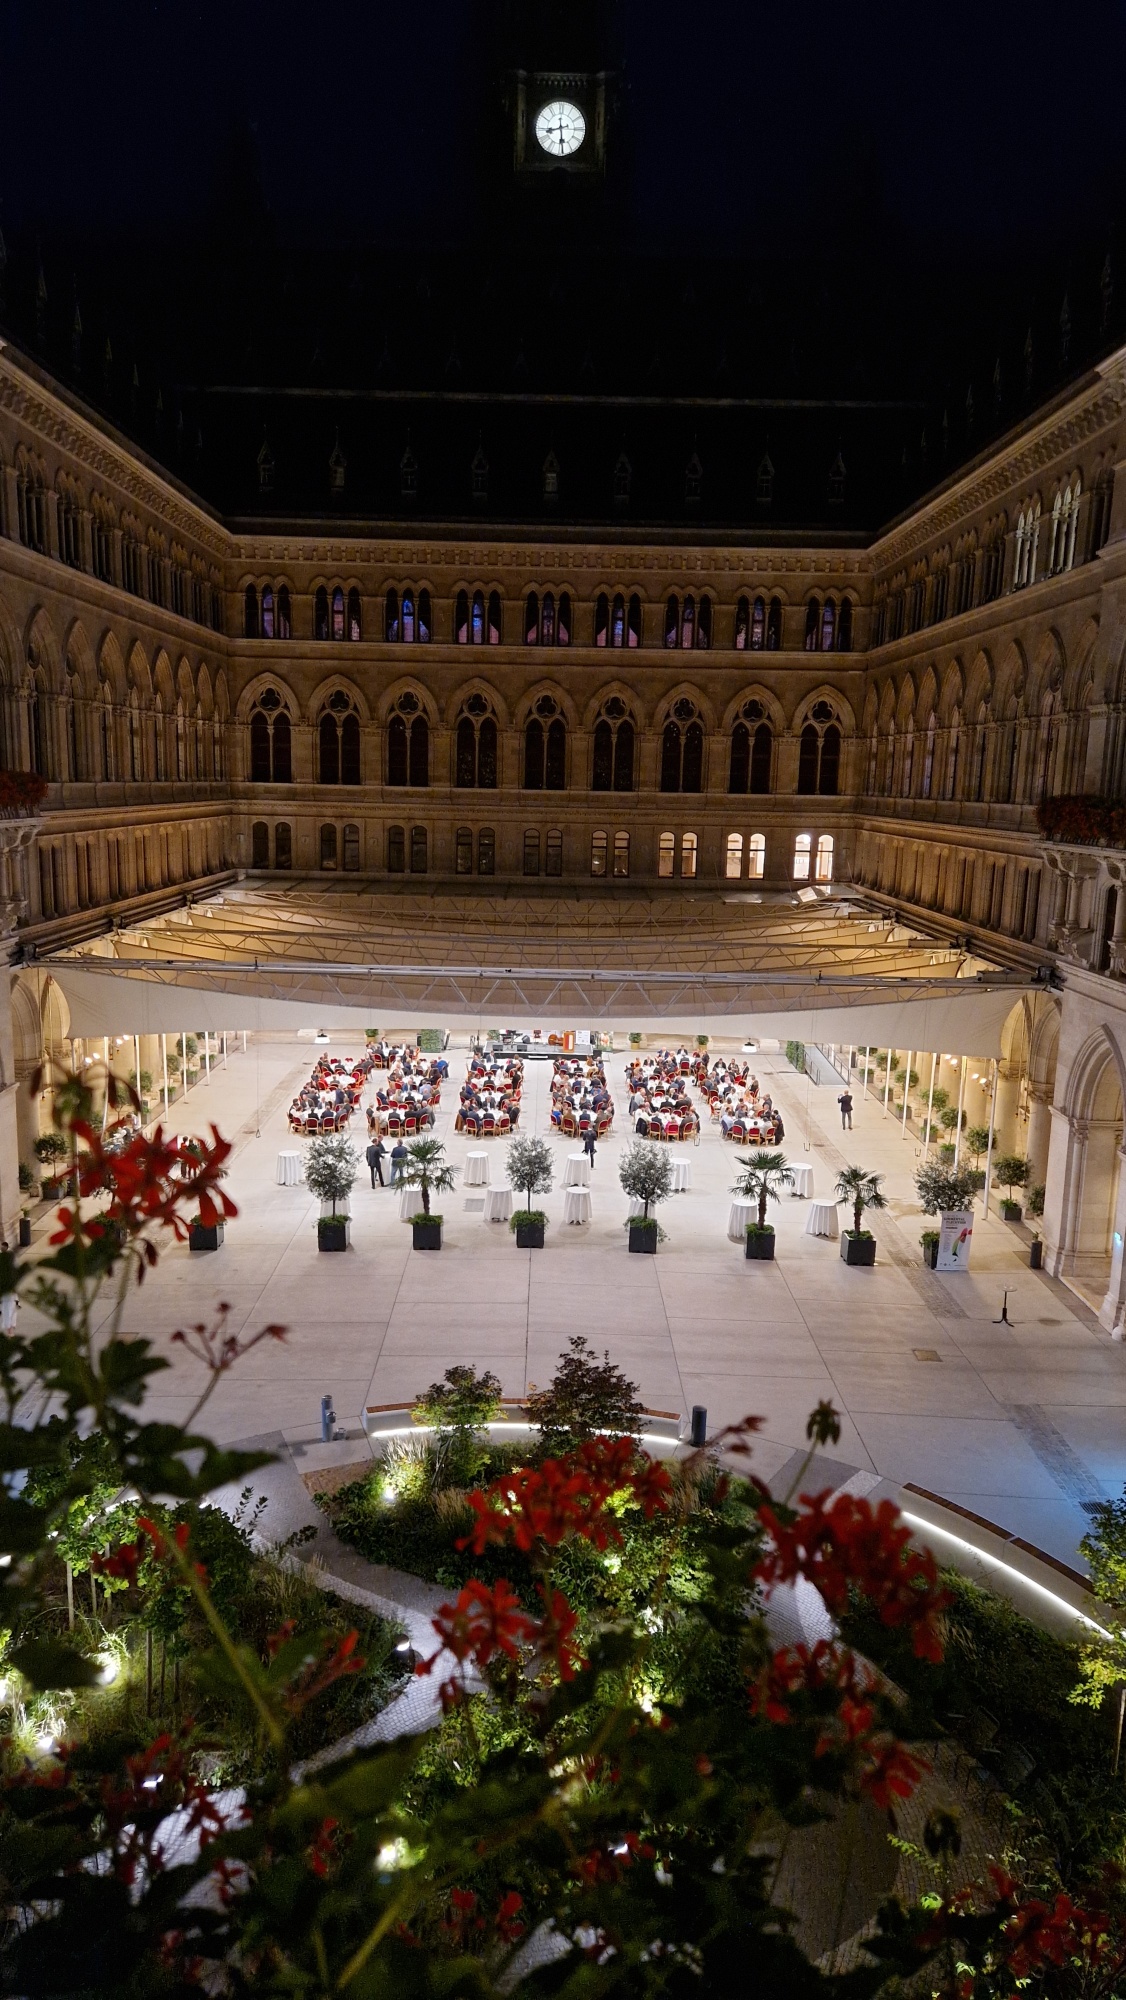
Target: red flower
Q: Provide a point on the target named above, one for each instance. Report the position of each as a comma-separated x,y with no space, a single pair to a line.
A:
149,1181
485,1621
890,1771
567,1496
506,1924
558,1625
851,1544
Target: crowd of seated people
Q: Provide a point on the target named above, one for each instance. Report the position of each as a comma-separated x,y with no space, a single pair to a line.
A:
741,1110
580,1099
490,1096
406,1099
389,1055
327,1101
659,1103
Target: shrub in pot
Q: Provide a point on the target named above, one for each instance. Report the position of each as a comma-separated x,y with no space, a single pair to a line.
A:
1011,1172
428,1170
762,1176
531,1168
528,1225
644,1234
929,1242
863,1190
331,1165
645,1174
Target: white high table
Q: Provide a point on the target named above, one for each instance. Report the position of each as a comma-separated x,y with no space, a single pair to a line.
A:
498,1204
410,1203
576,1173
822,1219
577,1205
741,1213
476,1170
291,1169
803,1180
681,1176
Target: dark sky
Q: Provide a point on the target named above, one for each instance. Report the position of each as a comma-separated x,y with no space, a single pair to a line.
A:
985,123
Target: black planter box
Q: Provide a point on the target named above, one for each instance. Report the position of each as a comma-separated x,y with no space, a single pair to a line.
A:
202,1238
529,1235
332,1236
1036,1255
427,1235
930,1256
760,1245
643,1241
25,1232
857,1249
1010,1211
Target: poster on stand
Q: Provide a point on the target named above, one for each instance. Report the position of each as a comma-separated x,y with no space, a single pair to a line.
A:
956,1227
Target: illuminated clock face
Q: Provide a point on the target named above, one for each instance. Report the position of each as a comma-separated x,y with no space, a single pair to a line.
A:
560,128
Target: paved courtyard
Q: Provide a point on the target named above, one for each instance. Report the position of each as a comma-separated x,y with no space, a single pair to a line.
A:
1021,1423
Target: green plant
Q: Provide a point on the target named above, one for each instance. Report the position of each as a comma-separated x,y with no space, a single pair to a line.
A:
645,1173
531,1168
427,1170
977,1139
946,1154
459,1407
762,1176
941,1098
527,1218
26,1178
929,1238
702,1041
941,1187
1010,1171
584,1396
50,1146
1036,1201
143,1083
863,1190
635,1039
331,1166
795,1056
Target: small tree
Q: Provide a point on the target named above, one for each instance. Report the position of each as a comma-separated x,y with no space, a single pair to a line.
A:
940,1187
941,1099
585,1395
645,1173
459,1407
977,1139
1012,1172
531,1168
1036,1201
331,1166
762,1176
428,1171
863,1190
1103,1653
50,1146
949,1118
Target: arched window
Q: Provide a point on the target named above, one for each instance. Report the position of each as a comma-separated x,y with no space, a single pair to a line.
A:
615,736
545,747
828,625
355,626
756,857
599,843
338,741
621,854
733,857
752,750
419,861
328,847
267,612
981,745
477,619
666,854
284,615
553,851
742,624
682,749
476,757
689,847
391,616
270,740
812,624
74,760
844,626
320,613
928,756
774,625
688,623
338,628
259,844
351,850
953,753
802,846
486,851
819,752
531,851
250,612
408,743
823,866
396,850
532,619
283,844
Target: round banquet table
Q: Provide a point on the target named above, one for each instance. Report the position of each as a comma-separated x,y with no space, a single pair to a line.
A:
822,1219
291,1169
577,1171
803,1180
681,1176
410,1203
498,1204
577,1205
740,1214
476,1170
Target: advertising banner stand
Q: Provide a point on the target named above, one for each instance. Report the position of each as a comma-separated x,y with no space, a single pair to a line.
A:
955,1230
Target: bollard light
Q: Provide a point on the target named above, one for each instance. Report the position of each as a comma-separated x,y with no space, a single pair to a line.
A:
699,1434
328,1419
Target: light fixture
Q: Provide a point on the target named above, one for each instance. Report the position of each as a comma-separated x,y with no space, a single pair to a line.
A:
390,1495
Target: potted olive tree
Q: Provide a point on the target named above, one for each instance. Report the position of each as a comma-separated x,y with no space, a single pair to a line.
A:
201,1235
428,1171
645,1173
1036,1211
977,1139
331,1165
762,1176
863,1190
49,1148
531,1168
941,1188
1011,1172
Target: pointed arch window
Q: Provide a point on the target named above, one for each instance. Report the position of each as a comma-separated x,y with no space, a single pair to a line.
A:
953,753
733,857
812,624
682,749
408,743
338,741
823,862
615,738
271,757
476,746
284,619
802,846
774,625
688,622
283,844
756,857
260,844
250,611
545,747
267,611
742,624
391,617
73,758
828,625
752,751
339,630
928,756
320,613
355,619
819,752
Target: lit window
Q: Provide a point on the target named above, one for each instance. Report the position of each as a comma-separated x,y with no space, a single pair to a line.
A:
665,853
621,854
688,846
734,864
802,847
823,870
598,846
756,857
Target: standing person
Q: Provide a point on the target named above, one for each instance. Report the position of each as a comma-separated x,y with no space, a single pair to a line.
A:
375,1156
845,1102
9,1304
398,1162
777,1128
588,1145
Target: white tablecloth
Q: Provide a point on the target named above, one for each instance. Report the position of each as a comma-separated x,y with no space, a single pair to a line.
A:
576,1205
681,1176
291,1169
803,1180
410,1203
636,1205
577,1171
498,1204
822,1219
476,1170
742,1212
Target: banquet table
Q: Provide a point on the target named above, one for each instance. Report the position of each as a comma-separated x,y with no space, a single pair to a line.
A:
740,1214
291,1169
577,1171
681,1176
410,1203
822,1219
476,1170
577,1205
803,1180
636,1205
498,1204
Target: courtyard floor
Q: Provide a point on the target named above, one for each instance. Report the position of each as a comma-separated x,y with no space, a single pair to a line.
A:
1020,1423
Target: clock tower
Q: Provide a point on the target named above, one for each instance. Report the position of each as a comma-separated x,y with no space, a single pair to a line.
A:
559,90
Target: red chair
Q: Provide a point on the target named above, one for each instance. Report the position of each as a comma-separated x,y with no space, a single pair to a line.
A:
568,1126
488,1126
410,1127
738,1133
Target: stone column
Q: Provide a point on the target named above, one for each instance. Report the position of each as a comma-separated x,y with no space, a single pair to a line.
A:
9,496
1039,1133
1113,1307
1061,1190
52,512
1008,1095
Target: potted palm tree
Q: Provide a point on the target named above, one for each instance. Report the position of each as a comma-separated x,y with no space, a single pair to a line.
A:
531,1168
863,1190
645,1173
331,1165
1012,1172
428,1171
762,1176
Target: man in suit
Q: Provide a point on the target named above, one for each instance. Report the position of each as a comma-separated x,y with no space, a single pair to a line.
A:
375,1156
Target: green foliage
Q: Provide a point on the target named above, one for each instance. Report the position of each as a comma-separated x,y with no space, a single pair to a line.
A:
462,1400
645,1173
584,1395
331,1166
949,1119
977,1139
531,1167
1011,1171
764,1173
863,1190
1103,1655
942,1187
143,1083
795,1056
26,1178
426,1169
429,1040
50,1146
527,1218
1036,1201
635,1040
941,1098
